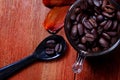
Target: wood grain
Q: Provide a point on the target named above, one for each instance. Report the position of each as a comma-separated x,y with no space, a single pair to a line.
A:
21,30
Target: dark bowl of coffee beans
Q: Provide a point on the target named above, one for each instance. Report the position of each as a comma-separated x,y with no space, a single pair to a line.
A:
93,27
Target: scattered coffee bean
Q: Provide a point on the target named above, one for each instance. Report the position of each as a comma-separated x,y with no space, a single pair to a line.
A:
108,25
106,36
100,18
112,33
74,31
97,3
115,23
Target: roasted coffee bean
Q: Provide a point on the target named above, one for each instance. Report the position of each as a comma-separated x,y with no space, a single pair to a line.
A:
87,24
80,29
49,51
83,40
90,2
113,40
83,5
103,42
106,36
104,4
73,16
100,18
90,37
112,33
100,30
118,15
97,3
103,23
94,32
51,42
108,25
93,22
109,9
108,15
77,10
115,23
86,31
74,31
78,17
58,47
81,46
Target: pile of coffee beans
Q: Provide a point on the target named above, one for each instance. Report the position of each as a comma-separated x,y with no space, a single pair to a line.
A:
94,25
52,47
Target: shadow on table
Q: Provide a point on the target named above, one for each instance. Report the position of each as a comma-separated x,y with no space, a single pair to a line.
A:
107,66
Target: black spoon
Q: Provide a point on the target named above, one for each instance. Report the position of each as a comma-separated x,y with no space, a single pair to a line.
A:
38,54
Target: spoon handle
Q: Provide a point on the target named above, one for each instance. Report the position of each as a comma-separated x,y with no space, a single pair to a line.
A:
78,65
9,70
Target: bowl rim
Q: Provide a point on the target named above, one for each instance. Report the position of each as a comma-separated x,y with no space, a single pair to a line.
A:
72,7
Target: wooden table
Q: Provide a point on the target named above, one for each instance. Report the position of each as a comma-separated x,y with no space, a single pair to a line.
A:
21,30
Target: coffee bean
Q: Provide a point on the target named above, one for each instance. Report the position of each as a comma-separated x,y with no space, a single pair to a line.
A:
51,42
100,18
94,32
108,25
103,42
112,33
106,36
115,23
78,17
118,15
113,40
87,24
83,40
81,46
58,47
109,9
104,4
93,22
86,31
103,23
100,30
49,51
97,3
73,16
77,10
74,31
90,37
108,15
80,29
90,2
118,30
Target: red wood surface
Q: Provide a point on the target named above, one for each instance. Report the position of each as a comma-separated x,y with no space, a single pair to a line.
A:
21,30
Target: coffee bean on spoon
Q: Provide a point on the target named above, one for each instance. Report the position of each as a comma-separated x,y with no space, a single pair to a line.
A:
58,47
49,51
